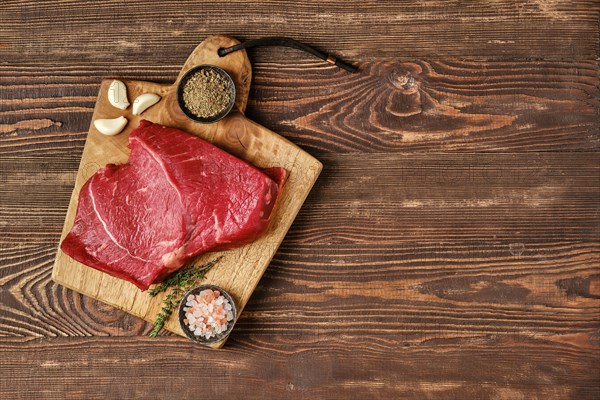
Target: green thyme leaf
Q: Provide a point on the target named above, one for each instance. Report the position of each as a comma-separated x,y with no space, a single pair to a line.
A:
179,282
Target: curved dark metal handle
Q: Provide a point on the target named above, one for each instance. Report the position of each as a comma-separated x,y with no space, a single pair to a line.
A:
287,42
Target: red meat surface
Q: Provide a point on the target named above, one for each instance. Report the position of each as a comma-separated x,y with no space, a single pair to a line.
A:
178,196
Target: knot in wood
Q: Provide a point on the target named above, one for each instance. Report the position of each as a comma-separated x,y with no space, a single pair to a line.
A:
403,80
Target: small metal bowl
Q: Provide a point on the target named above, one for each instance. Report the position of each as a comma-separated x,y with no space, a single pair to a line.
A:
187,77
201,339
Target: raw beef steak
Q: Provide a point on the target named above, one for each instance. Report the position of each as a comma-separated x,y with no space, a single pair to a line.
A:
178,196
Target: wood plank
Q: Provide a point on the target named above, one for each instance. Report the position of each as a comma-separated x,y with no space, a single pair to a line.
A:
54,31
444,105
328,367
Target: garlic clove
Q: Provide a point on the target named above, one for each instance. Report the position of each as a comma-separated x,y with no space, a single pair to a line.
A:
110,127
117,94
144,101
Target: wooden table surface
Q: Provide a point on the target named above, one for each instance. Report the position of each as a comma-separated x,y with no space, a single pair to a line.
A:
450,249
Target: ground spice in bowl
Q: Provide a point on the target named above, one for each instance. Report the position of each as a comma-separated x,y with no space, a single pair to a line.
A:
206,93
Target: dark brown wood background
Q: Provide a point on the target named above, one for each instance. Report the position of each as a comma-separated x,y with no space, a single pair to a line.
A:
451,248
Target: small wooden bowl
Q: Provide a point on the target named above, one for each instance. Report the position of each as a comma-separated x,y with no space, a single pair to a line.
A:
187,77
201,339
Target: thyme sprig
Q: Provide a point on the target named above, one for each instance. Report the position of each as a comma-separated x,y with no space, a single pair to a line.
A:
179,283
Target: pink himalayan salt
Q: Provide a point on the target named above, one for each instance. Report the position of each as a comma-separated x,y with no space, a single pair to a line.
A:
208,313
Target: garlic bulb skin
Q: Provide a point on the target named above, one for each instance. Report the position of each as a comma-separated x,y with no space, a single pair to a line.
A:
117,95
110,127
144,101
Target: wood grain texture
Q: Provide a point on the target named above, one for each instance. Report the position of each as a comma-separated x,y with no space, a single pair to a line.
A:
445,105
135,30
499,368
240,269
461,190
485,265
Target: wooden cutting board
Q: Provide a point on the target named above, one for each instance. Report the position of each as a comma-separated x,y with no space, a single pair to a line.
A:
240,269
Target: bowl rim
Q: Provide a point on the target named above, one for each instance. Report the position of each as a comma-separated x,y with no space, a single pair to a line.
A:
181,315
187,76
